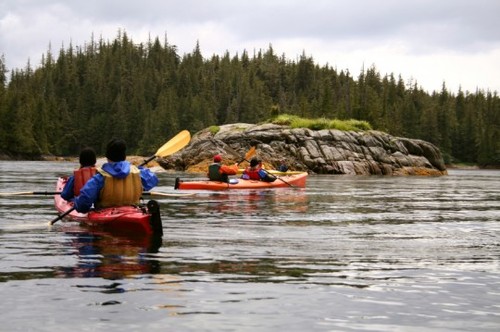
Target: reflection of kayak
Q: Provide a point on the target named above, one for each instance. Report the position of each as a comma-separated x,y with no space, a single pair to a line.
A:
122,219
275,172
297,180
109,255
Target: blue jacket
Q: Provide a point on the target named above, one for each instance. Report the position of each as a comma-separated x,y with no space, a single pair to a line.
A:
89,194
68,192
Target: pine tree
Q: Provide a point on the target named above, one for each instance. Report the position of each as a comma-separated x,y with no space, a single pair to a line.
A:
146,93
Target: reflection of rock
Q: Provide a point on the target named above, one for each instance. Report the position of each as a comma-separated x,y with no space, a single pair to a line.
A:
320,151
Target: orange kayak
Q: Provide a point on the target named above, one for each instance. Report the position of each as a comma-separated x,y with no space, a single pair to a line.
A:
288,181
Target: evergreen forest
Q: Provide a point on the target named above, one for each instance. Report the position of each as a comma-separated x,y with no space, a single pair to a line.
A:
146,93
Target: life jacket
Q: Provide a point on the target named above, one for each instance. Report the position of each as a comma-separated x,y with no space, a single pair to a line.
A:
253,174
81,176
214,173
118,192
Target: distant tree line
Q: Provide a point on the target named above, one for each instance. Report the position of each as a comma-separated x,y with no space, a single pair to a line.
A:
146,93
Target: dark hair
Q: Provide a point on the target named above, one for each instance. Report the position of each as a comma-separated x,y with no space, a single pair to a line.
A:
116,150
87,157
254,162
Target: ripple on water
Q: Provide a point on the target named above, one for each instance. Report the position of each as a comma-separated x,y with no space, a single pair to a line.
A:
346,253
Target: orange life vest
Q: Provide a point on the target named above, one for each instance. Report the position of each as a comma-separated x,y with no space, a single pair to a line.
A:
81,176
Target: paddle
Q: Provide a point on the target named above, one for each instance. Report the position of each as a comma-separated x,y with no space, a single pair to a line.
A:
276,177
52,193
175,144
172,146
59,217
249,154
26,193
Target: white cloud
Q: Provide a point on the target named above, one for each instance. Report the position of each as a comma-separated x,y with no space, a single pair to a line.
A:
455,41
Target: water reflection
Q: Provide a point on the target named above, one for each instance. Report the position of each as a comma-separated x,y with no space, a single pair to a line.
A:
345,253
109,256
243,202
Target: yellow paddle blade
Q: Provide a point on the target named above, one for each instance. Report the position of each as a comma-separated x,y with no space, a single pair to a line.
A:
250,153
18,193
175,144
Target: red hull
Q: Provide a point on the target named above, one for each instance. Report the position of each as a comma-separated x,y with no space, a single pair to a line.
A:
126,219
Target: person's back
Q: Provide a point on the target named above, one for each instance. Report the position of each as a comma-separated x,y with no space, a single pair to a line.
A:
219,172
117,183
122,184
214,173
80,176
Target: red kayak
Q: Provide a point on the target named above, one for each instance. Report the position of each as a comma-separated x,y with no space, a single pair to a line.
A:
288,181
123,219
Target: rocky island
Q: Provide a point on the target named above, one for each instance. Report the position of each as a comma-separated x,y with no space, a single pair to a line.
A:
327,151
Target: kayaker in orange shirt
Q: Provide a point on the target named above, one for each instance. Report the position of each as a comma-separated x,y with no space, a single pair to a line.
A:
219,172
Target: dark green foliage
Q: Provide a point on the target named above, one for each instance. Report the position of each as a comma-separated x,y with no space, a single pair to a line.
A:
147,93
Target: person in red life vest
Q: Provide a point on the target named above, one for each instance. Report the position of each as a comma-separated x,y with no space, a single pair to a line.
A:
80,176
219,172
256,172
117,183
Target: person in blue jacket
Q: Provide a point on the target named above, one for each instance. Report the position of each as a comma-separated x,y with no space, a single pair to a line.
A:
117,182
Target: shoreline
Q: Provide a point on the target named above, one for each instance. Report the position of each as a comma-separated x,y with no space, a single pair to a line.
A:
136,160
471,167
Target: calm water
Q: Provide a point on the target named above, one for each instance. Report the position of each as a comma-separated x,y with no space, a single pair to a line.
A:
344,254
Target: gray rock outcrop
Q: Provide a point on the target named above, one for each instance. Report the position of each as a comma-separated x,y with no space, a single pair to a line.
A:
319,151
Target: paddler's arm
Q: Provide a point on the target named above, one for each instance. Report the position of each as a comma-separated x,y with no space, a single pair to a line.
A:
68,191
229,170
266,177
148,179
89,194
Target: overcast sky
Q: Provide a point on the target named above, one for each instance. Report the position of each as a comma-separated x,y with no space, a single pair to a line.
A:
430,41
